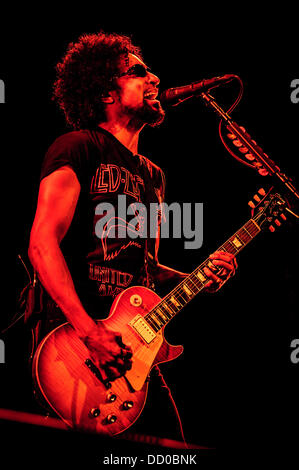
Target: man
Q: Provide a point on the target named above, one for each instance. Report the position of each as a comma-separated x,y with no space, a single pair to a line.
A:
108,95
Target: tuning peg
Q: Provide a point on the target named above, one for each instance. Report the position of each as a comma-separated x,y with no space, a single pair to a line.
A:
256,198
243,149
251,204
278,223
249,156
283,217
271,228
262,192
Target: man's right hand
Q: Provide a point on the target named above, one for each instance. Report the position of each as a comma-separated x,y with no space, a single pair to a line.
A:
108,352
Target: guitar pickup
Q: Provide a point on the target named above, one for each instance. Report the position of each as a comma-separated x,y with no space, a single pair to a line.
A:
143,329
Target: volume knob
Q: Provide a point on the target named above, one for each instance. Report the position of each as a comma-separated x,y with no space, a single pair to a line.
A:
111,419
127,405
95,412
111,397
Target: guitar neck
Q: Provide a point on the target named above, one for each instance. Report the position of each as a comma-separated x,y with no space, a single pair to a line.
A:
195,282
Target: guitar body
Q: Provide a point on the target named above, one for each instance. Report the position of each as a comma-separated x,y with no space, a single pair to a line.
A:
74,390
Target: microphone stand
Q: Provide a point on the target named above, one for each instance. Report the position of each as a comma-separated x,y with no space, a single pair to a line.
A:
245,138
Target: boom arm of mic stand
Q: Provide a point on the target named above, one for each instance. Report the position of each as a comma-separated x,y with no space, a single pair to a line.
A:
258,153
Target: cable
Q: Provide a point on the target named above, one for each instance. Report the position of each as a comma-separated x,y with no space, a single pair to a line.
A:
12,324
14,320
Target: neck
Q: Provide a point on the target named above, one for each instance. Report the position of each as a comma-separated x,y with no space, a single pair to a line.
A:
127,135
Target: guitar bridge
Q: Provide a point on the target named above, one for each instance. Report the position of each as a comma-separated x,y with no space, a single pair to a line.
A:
143,329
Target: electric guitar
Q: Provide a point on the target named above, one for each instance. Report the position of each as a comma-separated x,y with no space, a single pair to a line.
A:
73,386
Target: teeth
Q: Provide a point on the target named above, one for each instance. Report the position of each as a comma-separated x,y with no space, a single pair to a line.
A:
150,95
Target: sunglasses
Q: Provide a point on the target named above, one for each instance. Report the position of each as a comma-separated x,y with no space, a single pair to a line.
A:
137,70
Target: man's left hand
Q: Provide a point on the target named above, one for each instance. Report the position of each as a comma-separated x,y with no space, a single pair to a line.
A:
222,266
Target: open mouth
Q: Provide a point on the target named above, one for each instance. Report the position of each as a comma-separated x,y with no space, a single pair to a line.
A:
150,95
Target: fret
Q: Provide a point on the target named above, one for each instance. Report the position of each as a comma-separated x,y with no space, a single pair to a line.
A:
150,319
187,290
253,222
181,295
161,315
230,247
201,276
188,287
167,308
174,301
173,312
156,318
194,283
244,235
253,227
211,265
245,228
237,242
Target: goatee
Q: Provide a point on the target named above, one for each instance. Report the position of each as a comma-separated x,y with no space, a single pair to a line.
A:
150,113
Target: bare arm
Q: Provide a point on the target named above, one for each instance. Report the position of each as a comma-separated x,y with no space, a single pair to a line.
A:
57,201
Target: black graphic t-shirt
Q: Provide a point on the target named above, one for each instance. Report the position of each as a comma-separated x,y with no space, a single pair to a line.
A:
114,236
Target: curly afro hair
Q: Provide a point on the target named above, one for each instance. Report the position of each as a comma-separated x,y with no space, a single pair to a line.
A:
85,74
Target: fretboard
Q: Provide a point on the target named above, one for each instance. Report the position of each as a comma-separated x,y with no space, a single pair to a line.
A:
195,282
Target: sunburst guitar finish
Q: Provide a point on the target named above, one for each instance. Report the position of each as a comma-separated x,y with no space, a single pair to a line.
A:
69,382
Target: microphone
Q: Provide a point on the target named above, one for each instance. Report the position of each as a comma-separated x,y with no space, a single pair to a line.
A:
174,95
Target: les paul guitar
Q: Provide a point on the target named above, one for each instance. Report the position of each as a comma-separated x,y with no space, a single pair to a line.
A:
72,385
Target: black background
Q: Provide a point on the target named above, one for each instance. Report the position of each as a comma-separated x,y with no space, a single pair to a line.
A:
235,384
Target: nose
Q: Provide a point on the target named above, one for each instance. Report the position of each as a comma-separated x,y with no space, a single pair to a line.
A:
153,79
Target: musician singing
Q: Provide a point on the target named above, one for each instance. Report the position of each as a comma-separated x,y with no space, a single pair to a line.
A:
108,95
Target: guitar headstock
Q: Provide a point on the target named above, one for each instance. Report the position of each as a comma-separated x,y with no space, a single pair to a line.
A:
267,210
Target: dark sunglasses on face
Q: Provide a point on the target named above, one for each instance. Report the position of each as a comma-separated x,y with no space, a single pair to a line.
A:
137,70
